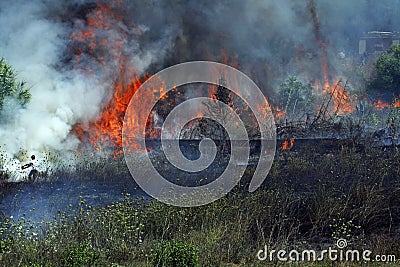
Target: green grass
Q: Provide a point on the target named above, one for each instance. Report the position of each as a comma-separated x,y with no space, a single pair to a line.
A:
308,201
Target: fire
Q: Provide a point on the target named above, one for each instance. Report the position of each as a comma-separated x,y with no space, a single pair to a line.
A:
334,94
287,144
343,103
278,113
107,129
92,41
381,105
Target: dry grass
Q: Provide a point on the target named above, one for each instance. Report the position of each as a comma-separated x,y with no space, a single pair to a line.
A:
309,200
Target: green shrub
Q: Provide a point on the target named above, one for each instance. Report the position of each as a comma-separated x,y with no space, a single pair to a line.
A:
10,87
175,254
387,68
78,255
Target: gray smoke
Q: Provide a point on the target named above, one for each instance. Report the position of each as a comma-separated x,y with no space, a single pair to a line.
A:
268,40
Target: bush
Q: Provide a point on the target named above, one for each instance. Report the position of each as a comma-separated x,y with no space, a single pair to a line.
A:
295,96
78,255
387,76
10,87
175,254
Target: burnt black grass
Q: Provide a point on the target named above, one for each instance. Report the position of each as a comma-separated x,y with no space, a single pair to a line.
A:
310,199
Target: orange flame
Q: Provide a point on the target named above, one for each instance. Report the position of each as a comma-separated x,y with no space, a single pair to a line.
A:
107,129
278,113
287,144
379,105
343,103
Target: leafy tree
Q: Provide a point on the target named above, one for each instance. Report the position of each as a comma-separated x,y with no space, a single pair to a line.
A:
295,96
10,88
387,71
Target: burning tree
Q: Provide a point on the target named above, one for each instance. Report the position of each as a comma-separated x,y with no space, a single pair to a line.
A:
206,127
222,94
216,130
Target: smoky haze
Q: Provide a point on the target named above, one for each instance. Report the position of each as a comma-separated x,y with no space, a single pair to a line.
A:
268,40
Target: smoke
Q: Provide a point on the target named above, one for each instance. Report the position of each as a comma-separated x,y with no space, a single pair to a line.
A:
54,46
33,45
37,39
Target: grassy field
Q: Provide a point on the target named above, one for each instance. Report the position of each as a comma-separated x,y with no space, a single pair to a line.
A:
308,201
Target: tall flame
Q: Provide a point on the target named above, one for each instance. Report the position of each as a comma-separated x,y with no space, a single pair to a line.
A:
342,101
91,40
